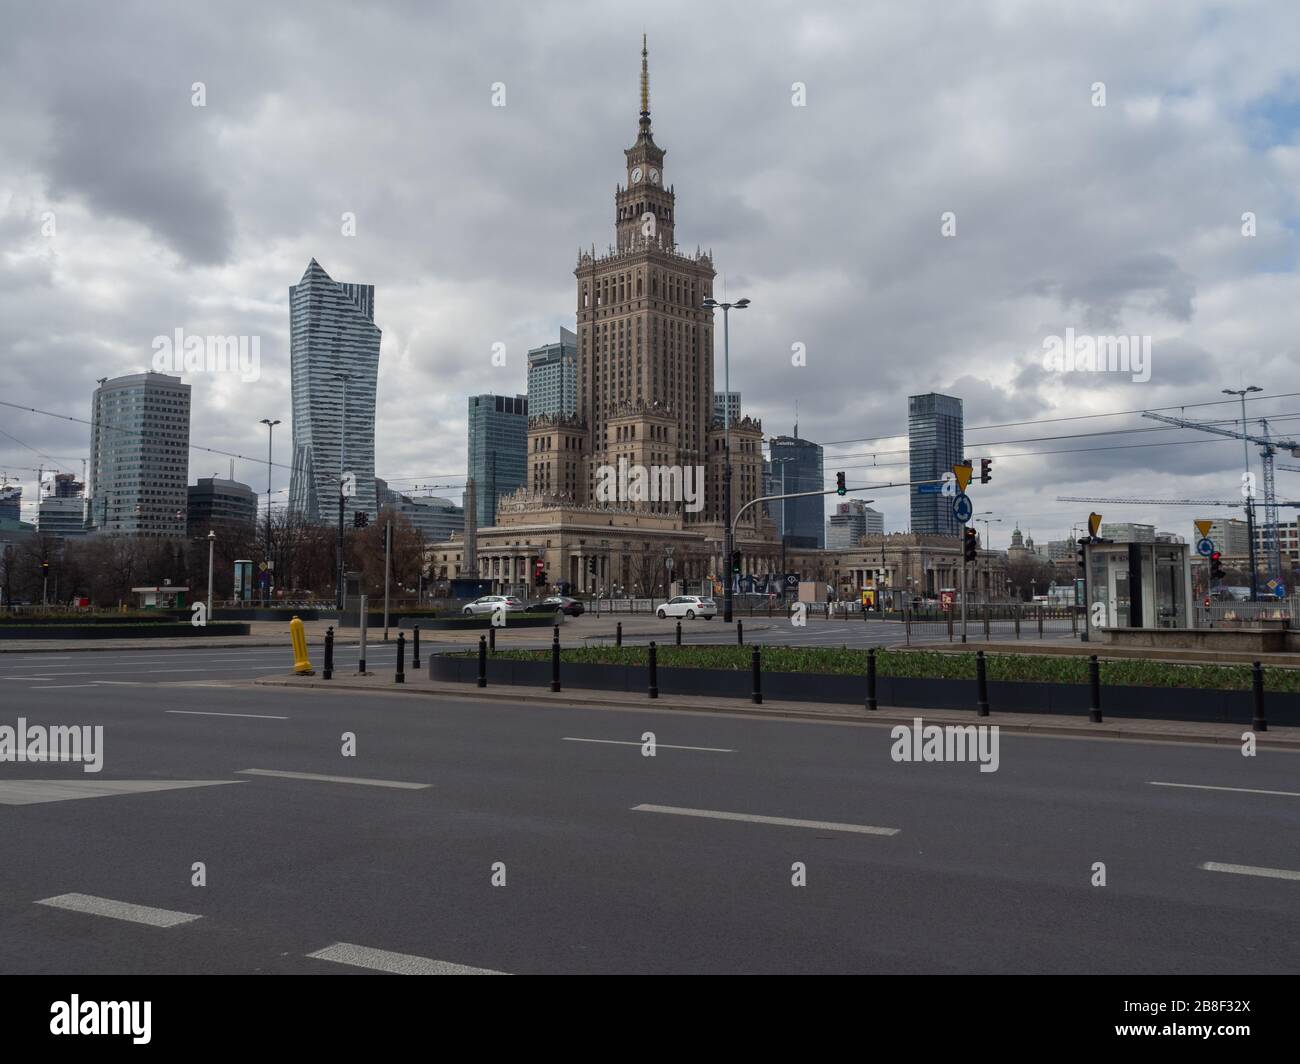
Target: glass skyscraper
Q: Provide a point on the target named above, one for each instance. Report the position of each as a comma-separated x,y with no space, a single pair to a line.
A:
498,450
332,333
140,455
935,443
801,521
553,377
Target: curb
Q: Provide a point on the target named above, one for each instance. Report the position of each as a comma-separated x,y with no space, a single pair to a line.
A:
882,716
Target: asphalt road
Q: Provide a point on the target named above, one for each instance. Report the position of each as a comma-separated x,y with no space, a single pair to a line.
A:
984,872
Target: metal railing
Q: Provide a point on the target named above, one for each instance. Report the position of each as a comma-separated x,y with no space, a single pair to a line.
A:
1246,614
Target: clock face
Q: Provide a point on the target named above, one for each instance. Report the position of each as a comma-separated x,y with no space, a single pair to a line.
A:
654,176
636,175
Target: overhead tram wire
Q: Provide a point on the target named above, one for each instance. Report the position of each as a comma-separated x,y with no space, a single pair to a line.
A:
1071,417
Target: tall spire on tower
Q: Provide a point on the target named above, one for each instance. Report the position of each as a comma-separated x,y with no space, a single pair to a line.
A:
645,86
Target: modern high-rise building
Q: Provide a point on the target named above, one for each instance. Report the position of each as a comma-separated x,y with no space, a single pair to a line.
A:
11,502
62,512
850,522
553,377
140,455
1231,537
217,504
935,443
334,359
802,522
498,450
728,402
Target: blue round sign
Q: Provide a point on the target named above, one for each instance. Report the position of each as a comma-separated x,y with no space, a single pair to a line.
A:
962,508
1205,547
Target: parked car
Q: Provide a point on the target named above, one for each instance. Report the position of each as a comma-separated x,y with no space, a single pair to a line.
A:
488,603
688,606
570,606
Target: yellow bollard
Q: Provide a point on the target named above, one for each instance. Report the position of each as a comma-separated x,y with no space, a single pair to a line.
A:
298,633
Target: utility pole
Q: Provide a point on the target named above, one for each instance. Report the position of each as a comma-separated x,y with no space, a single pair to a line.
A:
388,568
343,443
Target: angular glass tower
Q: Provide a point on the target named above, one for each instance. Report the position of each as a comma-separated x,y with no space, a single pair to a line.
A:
935,444
332,334
498,450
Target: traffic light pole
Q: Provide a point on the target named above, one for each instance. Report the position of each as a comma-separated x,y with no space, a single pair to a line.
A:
964,589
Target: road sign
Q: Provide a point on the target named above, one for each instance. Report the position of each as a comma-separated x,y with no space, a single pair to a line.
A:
962,471
1280,591
962,508
1203,528
668,563
1205,547
1272,584
1094,523
929,489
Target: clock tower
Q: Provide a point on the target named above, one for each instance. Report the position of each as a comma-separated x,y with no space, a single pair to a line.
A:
645,341
644,206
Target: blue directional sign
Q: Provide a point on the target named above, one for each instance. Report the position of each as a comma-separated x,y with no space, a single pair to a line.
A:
1280,591
962,508
929,489
1205,546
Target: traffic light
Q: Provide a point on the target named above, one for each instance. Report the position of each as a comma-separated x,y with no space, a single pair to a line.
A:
1216,566
539,572
592,565
840,489
986,470
735,561
360,519
45,568
1082,554
970,544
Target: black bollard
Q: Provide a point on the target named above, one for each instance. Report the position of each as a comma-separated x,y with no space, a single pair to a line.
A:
415,647
982,685
679,633
329,653
871,679
1094,690
757,668
618,634
401,658
492,639
1257,685
653,689
555,660
740,633
482,661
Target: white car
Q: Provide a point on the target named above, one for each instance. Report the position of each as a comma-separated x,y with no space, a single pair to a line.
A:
488,603
688,606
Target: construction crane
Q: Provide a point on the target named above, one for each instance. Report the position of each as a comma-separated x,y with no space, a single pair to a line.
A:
1267,449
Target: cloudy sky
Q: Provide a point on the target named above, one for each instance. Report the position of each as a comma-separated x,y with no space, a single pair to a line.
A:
1117,219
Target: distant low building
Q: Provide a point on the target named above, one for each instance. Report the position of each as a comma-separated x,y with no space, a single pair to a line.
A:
850,522
436,518
214,501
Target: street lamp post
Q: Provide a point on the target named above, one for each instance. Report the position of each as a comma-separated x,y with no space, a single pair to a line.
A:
270,435
1250,497
343,443
727,545
212,542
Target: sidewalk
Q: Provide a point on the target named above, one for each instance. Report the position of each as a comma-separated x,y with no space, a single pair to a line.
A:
418,685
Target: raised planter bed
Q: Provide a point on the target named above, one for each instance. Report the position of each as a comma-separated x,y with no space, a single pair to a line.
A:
161,630
1160,703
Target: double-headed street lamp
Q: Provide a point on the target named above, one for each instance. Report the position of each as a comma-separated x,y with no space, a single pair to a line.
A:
1250,497
711,304
270,435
